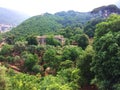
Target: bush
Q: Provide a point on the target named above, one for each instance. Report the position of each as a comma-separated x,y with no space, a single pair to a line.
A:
52,41
30,60
54,83
24,82
10,59
66,64
16,58
4,80
36,68
6,50
2,58
31,49
82,40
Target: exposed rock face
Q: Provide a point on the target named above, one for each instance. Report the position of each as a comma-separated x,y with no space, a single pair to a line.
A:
105,11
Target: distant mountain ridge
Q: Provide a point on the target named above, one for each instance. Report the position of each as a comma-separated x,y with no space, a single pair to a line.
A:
50,23
73,17
11,17
53,23
106,10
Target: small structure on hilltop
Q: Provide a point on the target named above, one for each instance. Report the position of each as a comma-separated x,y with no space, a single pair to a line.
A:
42,39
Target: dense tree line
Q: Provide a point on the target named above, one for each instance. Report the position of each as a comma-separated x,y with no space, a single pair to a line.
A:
107,48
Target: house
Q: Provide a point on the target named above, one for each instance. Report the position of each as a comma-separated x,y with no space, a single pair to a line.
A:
42,39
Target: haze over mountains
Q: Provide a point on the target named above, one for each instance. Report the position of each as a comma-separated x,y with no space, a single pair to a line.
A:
8,16
11,17
118,4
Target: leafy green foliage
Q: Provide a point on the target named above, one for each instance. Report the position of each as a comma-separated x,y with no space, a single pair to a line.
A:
32,40
71,76
9,38
36,68
107,49
2,58
54,83
71,53
70,64
24,82
90,26
50,58
82,40
59,82
40,50
37,25
84,65
66,64
48,24
20,46
6,50
52,41
4,80
30,60
72,18
32,48
70,32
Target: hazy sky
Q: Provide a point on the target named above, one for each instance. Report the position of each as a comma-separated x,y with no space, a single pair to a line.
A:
36,7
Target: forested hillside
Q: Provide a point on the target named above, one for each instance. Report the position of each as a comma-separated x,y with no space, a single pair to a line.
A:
50,24
53,23
72,18
62,51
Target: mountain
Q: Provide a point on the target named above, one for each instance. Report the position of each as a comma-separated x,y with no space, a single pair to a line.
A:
37,25
11,17
105,11
52,23
73,18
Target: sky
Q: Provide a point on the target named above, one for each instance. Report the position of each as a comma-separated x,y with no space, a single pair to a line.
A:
37,7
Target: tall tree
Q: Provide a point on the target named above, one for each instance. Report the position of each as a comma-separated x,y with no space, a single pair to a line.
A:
86,75
71,53
82,40
30,60
32,40
106,62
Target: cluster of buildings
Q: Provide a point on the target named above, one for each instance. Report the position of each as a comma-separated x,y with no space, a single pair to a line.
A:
5,27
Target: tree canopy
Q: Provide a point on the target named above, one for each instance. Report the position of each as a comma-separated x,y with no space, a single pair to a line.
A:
106,61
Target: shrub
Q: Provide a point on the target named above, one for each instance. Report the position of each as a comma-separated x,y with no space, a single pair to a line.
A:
36,68
30,60
2,58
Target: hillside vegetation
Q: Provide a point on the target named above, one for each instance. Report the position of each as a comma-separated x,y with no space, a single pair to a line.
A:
88,58
50,24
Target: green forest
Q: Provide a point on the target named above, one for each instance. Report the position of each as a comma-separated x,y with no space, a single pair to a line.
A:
88,59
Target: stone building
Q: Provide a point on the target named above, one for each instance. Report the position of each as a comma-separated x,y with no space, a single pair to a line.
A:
42,39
